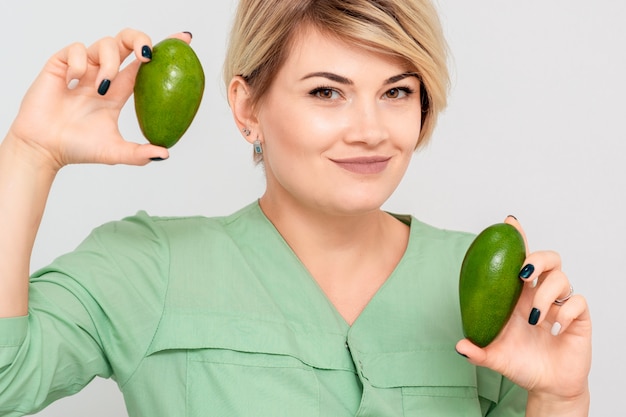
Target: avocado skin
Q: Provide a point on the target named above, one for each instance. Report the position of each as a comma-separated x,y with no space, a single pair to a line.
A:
168,91
489,283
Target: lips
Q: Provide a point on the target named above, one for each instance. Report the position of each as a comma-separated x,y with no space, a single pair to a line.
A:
363,165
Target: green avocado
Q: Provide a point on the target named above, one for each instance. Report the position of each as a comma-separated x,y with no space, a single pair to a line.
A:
168,91
489,283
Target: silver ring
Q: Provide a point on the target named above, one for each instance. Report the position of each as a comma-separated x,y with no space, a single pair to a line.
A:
561,301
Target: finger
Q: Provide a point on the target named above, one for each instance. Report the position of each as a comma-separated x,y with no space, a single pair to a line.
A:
131,40
512,220
105,54
555,284
75,57
138,42
183,36
573,309
134,41
125,80
537,263
70,63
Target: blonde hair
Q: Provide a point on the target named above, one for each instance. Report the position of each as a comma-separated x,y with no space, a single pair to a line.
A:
408,29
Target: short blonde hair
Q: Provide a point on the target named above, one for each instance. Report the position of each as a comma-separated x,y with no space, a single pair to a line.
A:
408,29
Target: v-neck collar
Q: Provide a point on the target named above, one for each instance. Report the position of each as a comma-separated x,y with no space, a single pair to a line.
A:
291,258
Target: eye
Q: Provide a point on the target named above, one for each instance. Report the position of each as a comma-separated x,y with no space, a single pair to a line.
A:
325,93
398,92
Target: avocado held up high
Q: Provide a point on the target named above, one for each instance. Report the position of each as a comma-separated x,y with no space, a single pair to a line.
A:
489,283
168,91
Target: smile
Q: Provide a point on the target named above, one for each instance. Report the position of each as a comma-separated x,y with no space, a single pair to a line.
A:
363,165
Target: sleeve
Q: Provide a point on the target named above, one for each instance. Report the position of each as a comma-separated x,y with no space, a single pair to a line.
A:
92,313
499,397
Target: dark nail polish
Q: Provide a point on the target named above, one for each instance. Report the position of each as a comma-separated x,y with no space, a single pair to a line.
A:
465,356
510,215
534,316
146,52
188,33
527,271
157,158
104,87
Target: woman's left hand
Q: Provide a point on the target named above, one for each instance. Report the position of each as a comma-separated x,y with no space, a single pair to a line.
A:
546,346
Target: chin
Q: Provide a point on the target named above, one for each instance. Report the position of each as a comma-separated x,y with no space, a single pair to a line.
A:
350,204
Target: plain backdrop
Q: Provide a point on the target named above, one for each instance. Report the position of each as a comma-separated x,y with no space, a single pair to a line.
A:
535,128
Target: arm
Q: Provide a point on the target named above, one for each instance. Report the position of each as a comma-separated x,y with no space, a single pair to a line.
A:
24,185
51,345
56,126
92,312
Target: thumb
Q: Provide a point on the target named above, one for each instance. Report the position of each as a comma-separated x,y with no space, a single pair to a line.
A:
474,354
129,153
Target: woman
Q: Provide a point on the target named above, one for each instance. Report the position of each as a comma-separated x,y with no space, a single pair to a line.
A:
311,301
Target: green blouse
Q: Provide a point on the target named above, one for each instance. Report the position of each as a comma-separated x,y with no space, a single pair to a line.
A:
204,316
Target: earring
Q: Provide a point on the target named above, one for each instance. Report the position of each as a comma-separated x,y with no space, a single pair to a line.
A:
246,131
258,149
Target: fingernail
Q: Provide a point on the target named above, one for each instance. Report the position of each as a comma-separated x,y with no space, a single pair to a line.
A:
556,329
146,52
188,33
510,215
534,316
157,158
72,84
104,87
527,271
465,356
534,283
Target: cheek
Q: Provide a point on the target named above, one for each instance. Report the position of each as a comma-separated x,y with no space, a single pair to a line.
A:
406,127
299,130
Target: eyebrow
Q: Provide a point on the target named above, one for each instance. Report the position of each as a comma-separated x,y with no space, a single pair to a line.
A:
343,80
402,76
331,76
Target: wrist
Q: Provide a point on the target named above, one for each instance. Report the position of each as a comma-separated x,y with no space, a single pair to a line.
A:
29,154
542,404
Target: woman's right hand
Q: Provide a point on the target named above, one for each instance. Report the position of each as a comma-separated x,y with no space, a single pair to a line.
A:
69,117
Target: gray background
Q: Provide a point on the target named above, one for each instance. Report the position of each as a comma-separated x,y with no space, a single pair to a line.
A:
535,128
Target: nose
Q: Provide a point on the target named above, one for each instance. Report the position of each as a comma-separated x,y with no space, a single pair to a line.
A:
367,123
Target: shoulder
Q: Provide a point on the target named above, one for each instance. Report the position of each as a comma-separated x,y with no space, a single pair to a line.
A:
440,233
432,261
143,228
138,248
425,237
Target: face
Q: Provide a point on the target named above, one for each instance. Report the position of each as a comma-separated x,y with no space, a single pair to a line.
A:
339,125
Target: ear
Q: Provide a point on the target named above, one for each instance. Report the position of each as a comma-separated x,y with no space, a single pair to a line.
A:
240,101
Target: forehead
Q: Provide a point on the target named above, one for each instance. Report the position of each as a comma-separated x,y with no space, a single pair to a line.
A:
311,48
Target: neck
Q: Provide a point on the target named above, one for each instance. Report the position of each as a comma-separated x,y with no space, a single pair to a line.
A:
350,256
308,229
